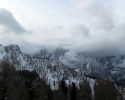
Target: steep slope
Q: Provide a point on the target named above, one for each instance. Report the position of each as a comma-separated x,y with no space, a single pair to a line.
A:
2,52
55,65
47,65
57,60
115,66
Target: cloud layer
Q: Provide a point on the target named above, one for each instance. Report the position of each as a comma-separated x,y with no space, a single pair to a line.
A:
92,26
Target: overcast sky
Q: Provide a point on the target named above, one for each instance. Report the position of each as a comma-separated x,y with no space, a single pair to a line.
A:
96,26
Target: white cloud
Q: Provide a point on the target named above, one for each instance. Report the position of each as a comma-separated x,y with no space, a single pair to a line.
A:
95,26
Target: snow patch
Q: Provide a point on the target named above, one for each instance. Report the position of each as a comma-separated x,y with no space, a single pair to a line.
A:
92,85
2,52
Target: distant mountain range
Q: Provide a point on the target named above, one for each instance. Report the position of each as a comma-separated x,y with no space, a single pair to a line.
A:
55,65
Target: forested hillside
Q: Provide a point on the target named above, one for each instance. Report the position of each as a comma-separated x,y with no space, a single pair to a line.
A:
27,85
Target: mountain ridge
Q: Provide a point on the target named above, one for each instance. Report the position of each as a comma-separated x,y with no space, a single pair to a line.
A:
51,66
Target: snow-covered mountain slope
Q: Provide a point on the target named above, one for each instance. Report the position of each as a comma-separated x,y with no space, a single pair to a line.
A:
57,60
55,64
115,66
2,52
47,65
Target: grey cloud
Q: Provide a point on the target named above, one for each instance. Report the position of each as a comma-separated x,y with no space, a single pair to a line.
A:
9,22
106,34
80,30
100,33
103,15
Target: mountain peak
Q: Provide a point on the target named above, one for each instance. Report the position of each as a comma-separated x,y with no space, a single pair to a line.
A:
12,48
